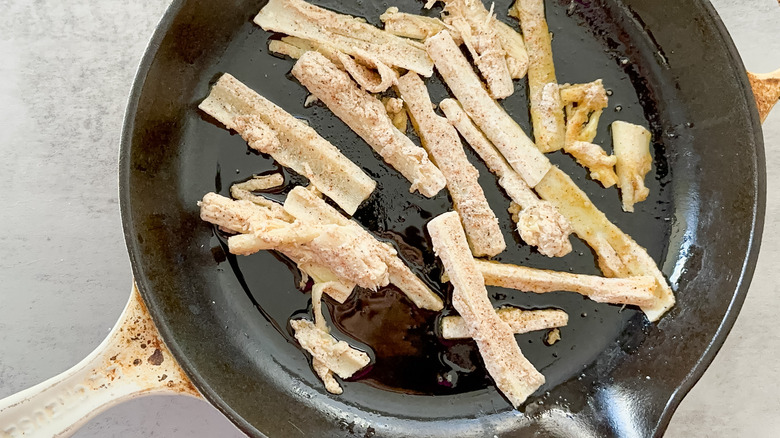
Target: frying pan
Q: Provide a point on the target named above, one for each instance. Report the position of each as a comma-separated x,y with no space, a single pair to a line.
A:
222,320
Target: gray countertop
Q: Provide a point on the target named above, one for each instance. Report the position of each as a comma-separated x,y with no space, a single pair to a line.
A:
65,71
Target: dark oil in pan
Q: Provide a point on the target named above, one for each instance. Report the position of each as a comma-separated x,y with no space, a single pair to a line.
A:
407,354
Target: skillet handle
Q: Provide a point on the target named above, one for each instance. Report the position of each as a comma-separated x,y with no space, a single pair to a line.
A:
766,90
132,361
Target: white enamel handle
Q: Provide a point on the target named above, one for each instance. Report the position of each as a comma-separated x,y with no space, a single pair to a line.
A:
132,361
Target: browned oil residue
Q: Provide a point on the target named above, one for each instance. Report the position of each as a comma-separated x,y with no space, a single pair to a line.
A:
409,357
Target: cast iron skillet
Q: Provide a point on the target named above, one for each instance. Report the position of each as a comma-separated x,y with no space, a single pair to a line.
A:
669,63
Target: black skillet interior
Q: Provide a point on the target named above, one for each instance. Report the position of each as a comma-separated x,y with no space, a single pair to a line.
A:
669,65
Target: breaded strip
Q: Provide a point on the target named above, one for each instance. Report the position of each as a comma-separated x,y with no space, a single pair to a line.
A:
337,288
344,33
519,321
320,367
316,307
243,190
619,255
636,291
258,135
259,182
326,375
341,249
631,144
515,377
295,47
584,105
593,157
366,115
419,27
370,73
498,126
412,26
306,206
546,105
510,40
322,370
284,48
328,353
236,218
514,46
477,28
441,141
292,143
538,222
338,356
509,179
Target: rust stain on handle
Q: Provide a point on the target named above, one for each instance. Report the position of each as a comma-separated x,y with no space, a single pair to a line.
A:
766,90
138,352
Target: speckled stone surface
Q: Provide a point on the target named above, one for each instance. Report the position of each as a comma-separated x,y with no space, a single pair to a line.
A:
66,69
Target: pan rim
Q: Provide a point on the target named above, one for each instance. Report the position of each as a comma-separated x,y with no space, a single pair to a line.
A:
128,123
696,372
756,231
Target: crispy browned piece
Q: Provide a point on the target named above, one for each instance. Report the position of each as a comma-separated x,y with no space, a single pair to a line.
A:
515,377
766,89
618,254
546,105
538,222
519,321
495,123
584,105
632,149
344,33
271,130
397,112
305,205
638,291
366,115
595,159
553,336
441,141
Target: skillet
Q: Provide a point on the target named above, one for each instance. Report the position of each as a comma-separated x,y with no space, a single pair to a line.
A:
224,318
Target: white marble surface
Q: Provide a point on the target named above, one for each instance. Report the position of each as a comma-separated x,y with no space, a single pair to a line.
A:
66,68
